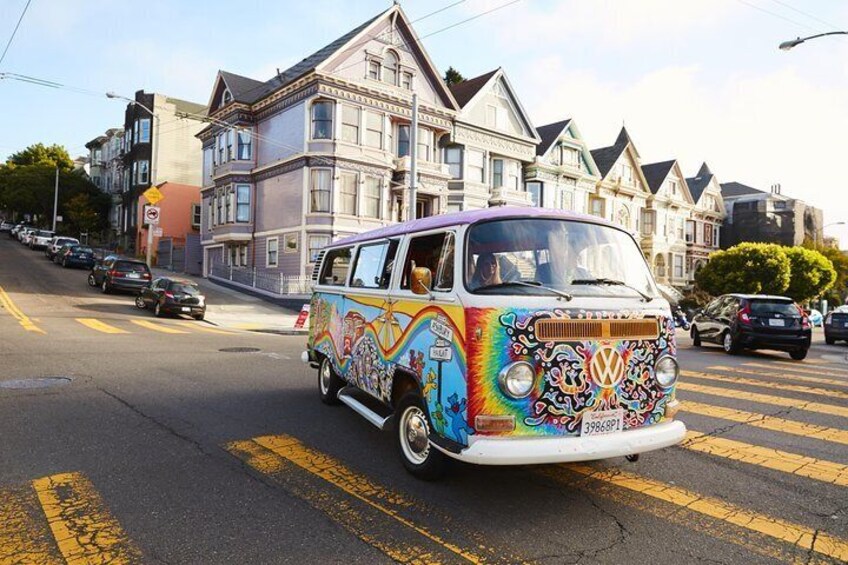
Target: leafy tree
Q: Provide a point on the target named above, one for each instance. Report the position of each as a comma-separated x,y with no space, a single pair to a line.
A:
756,268
835,295
452,76
40,154
812,273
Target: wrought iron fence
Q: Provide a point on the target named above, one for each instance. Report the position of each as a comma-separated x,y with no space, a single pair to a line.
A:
269,281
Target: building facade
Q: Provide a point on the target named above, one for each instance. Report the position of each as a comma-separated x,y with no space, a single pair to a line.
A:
107,170
703,228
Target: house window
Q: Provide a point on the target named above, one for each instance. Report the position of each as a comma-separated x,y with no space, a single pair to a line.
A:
322,120
219,203
245,146
425,142
371,197
230,153
475,165
143,172
680,228
350,123
242,255
453,157
320,190
691,228
242,202
226,98
144,133
210,218
228,205
596,207
513,170
535,189
390,68
374,130
716,231
347,196
403,141
135,172
647,222
290,243
497,173
374,69
135,133
222,149
678,266
626,173
316,244
406,81
196,212
272,247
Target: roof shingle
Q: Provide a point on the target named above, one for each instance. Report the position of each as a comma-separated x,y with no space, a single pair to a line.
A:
464,91
656,173
549,134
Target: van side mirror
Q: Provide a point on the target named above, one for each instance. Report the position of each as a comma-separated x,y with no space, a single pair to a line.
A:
422,280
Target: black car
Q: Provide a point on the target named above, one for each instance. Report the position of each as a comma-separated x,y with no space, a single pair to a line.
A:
117,273
836,325
173,296
754,321
75,255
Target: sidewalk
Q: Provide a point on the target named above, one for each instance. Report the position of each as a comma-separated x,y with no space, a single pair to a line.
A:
228,308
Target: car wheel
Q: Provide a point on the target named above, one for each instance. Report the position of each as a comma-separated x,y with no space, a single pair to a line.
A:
139,302
798,354
329,382
829,340
157,310
104,286
729,344
91,280
696,337
199,317
412,435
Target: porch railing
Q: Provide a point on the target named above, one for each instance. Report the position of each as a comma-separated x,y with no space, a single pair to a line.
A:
272,282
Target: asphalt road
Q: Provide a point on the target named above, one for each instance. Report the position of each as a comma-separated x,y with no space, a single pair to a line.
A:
162,448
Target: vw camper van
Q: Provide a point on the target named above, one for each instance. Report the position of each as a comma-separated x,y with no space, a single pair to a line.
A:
500,336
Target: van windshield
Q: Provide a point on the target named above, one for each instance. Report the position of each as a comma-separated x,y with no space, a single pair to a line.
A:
535,255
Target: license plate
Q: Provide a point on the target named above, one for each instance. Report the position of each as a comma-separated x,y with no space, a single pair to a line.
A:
133,276
186,309
776,322
602,422
845,325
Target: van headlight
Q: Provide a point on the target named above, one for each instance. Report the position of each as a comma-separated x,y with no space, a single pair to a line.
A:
517,379
666,371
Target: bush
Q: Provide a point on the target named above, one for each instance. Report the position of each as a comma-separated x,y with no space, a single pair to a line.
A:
751,268
811,273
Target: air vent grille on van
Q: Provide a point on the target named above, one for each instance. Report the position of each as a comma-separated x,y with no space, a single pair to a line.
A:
575,330
316,270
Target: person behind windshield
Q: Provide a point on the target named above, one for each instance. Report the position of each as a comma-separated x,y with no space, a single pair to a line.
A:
487,272
564,265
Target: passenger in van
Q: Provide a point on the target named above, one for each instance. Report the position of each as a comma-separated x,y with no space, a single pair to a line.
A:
561,270
487,271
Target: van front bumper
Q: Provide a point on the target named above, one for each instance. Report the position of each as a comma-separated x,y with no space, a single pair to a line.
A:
484,450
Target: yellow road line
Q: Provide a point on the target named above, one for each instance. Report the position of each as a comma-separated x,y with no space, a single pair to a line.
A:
100,326
24,535
781,373
16,313
767,422
83,527
776,386
817,407
801,465
796,535
157,327
200,327
375,514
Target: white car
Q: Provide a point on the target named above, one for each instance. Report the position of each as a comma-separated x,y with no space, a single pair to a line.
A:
25,235
56,244
41,238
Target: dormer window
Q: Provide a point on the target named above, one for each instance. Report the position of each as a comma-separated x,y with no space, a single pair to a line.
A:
390,68
226,98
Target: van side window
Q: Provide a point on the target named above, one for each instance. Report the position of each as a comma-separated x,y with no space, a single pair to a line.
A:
336,265
436,252
373,268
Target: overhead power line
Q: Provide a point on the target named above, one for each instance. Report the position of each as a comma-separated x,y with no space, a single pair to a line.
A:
776,15
14,31
807,14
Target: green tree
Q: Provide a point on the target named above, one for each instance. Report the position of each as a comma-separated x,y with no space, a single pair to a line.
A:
82,217
812,273
40,154
755,268
835,295
452,76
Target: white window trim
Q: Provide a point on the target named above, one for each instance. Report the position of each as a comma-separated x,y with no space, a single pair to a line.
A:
268,262
311,117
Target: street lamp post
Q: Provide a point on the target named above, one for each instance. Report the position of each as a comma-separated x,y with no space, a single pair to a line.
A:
787,45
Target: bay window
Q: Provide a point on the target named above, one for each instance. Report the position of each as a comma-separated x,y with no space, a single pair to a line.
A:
350,123
403,140
320,186
228,206
453,157
374,130
535,188
143,172
513,171
347,196
371,197
322,120
242,202
475,168
316,244
425,143
497,173
230,153
245,146
144,133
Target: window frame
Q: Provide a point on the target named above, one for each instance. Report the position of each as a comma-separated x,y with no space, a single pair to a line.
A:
242,205
286,238
242,145
320,103
325,263
346,125
276,242
407,247
388,256
366,197
309,247
144,130
314,174
380,119
343,195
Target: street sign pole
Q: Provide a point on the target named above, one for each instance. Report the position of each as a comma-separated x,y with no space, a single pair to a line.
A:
150,245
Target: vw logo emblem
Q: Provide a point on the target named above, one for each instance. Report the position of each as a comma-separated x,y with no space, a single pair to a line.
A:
607,367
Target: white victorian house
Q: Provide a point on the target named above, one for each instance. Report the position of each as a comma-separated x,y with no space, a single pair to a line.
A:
703,229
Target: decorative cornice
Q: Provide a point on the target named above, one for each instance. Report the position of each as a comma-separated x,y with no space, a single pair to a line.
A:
493,142
280,169
283,103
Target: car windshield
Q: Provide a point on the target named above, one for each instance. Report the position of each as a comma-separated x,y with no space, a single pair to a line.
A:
130,267
773,307
184,288
540,256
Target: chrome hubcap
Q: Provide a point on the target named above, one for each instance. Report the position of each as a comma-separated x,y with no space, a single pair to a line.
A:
728,342
325,377
413,435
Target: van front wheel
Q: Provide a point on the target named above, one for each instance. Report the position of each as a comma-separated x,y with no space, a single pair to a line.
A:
329,383
412,434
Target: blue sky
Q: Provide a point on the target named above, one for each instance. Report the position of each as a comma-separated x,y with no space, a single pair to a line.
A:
694,80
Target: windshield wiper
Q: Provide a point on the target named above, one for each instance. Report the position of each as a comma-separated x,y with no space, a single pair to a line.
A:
531,284
613,282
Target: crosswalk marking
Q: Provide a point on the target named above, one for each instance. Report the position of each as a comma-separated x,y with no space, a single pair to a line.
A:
157,327
773,374
767,422
820,366
24,535
765,399
25,322
100,326
801,465
200,327
796,535
767,384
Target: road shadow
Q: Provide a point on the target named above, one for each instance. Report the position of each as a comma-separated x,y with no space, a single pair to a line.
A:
108,308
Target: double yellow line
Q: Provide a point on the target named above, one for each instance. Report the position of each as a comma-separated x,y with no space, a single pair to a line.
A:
16,313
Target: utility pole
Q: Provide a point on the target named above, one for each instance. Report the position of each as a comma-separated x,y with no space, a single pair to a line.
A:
413,157
56,199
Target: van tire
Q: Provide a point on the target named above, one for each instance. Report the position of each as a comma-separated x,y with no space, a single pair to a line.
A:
412,428
329,383
696,337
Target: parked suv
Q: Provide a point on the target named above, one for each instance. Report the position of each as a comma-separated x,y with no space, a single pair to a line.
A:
56,244
75,255
836,325
117,273
754,321
173,296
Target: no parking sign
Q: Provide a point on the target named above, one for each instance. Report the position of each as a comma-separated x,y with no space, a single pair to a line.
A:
151,214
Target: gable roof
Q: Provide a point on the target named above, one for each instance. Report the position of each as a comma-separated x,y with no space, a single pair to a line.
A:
699,183
240,87
656,173
731,189
605,157
549,134
464,91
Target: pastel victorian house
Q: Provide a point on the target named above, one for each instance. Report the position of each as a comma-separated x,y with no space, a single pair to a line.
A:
491,143
664,222
563,175
321,150
703,229
621,194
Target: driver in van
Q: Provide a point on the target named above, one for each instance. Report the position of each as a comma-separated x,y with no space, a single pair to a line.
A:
487,271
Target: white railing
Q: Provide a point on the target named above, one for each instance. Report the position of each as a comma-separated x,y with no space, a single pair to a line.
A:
272,282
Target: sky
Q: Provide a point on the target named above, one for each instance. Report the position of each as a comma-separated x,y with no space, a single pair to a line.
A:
695,80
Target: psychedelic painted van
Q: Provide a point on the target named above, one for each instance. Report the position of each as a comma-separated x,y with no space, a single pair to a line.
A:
499,336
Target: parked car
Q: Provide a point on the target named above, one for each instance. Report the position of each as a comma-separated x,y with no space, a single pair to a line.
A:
754,321
836,325
41,239
173,296
25,235
816,318
76,255
118,273
15,231
6,226
56,244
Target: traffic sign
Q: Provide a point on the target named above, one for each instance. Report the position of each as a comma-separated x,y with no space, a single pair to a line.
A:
153,195
151,215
